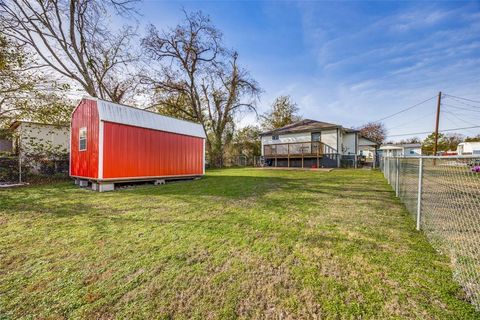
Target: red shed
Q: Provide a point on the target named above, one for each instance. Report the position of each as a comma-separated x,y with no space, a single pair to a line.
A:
111,142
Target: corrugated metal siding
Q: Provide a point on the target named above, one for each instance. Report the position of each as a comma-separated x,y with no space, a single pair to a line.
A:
141,152
117,113
85,163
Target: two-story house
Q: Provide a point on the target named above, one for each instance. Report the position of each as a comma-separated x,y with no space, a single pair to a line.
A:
310,144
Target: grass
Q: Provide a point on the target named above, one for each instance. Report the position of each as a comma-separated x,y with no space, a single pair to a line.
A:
240,243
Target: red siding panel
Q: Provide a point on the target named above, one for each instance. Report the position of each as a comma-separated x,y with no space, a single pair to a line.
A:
84,163
139,152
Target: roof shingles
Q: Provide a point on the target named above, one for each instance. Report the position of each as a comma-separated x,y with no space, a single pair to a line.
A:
306,125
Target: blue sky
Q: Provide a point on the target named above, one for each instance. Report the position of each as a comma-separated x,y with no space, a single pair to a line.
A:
352,62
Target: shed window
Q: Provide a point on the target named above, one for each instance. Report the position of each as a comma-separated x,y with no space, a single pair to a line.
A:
82,146
275,137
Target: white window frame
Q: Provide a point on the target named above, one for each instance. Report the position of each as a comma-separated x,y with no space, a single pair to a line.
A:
80,131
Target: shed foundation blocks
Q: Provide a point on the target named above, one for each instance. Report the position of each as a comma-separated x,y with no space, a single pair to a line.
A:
82,183
103,187
159,182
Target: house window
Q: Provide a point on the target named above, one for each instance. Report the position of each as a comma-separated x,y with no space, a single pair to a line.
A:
316,137
275,137
82,146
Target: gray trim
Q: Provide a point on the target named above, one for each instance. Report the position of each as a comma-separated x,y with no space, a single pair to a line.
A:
280,131
338,142
356,143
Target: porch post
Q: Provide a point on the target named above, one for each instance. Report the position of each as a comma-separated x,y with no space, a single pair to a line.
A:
302,156
288,155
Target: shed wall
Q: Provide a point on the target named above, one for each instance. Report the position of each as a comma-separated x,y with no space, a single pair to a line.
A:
84,163
134,152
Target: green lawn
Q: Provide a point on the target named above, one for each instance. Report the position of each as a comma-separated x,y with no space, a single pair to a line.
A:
239,243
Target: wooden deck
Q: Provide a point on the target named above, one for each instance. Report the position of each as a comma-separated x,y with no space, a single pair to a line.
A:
299,151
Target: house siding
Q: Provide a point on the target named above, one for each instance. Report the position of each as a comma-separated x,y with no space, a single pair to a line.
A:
38,137
330,137
287,138
350,143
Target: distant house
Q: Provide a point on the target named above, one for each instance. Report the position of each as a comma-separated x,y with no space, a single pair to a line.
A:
40,138
309,144
401,150
468,148
366,147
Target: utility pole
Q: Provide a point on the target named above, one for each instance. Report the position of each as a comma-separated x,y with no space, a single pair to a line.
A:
436,123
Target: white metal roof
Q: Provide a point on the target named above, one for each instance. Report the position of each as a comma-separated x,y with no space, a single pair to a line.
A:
118,113
471,143
400,146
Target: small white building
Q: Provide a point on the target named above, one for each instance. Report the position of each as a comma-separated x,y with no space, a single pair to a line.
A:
468,148
401,150
366,148
40,138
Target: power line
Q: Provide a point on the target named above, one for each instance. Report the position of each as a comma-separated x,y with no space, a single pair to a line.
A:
410,121
425,132
472,131
457,107
461,119
449,95
463,102
406,109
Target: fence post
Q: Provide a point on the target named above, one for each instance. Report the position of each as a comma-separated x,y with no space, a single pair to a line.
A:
388,174
397,175
419,198
19,167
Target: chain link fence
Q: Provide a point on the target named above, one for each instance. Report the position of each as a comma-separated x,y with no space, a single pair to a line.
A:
10,170
443,196
16,170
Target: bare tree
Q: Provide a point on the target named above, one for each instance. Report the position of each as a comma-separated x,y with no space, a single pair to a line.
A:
283,112
26,92
374,131
71,38
199,80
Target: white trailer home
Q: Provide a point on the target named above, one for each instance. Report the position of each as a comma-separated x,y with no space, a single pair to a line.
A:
401,150
468,148
310,144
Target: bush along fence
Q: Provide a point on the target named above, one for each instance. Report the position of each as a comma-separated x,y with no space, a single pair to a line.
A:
17,170
10,170
443,196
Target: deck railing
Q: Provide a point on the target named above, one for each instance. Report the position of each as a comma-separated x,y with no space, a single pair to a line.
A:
313,148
